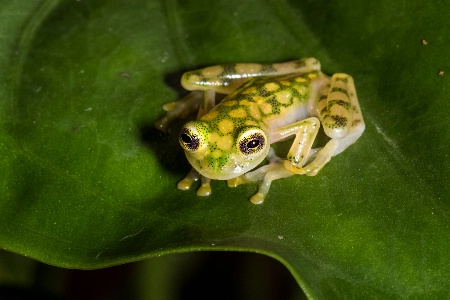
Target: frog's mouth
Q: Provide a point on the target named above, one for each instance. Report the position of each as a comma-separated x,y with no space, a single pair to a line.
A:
224,173
219,171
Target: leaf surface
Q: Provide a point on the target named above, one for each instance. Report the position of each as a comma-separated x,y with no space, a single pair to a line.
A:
87,183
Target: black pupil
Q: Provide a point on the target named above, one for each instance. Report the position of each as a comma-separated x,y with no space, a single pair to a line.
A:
253,144
186,138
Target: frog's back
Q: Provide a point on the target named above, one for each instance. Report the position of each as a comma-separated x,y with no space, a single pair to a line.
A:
270,102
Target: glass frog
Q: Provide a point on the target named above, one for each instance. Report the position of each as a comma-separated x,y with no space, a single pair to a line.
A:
264,104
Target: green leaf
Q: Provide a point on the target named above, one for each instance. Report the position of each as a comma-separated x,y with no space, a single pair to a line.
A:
86,182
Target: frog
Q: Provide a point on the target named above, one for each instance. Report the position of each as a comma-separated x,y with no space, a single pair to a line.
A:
263,104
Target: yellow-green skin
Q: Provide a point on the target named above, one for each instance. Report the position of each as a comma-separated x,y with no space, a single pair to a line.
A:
267,103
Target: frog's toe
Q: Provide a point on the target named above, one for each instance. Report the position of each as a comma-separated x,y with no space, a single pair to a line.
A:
163,124
184,184
258,198
312,171
234,182
204,190
169,106
294,169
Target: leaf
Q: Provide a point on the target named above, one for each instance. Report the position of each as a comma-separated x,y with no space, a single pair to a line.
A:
87,183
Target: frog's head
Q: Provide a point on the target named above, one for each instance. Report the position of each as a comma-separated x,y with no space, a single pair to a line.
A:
223,154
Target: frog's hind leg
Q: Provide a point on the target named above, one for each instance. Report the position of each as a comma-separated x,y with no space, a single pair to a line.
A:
340,114
300,66
226,78
356,122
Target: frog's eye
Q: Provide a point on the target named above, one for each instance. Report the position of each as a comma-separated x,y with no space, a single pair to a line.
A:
190,137
189,141
251,142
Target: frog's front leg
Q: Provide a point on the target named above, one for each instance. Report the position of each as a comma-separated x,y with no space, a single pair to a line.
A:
207,103
338,109
265,175
305,133
193,176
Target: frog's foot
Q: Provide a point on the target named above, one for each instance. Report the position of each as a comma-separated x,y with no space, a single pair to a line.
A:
276,171
186,183
258,174
264,175
179,109
205,188
193,176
